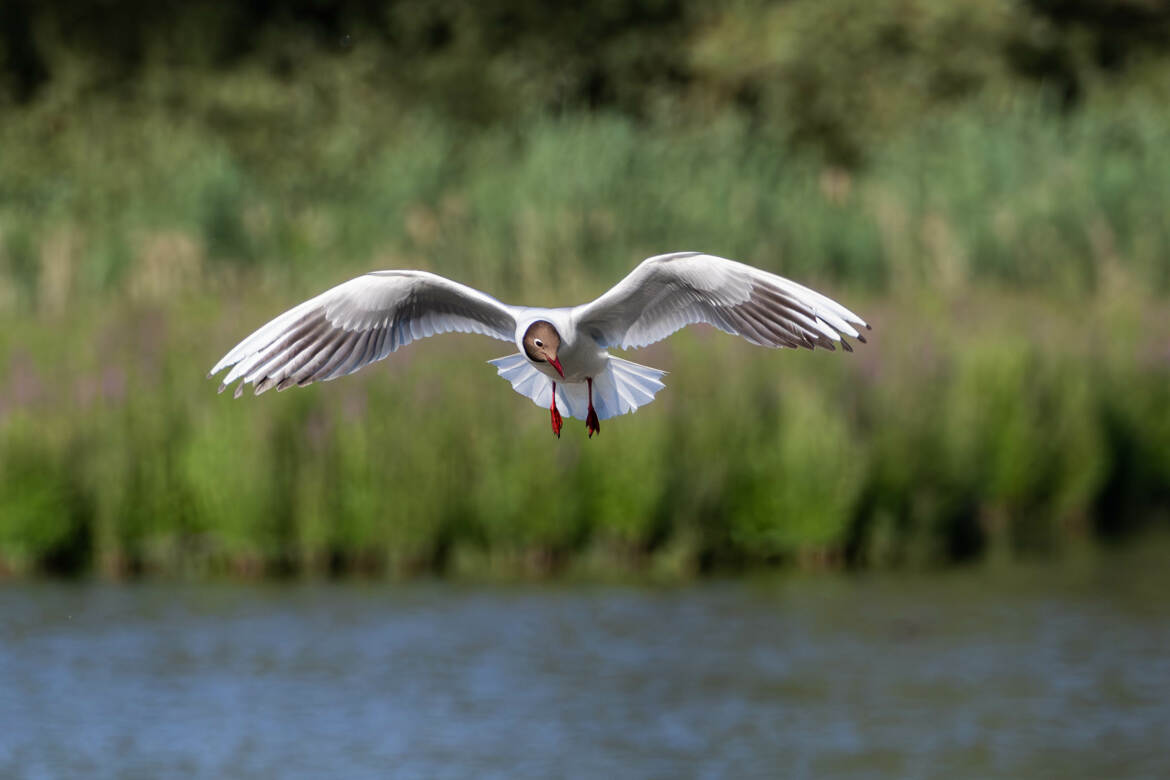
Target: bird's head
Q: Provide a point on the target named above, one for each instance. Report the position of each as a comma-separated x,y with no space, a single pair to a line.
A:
541,342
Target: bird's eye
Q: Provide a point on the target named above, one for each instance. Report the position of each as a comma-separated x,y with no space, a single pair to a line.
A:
538,343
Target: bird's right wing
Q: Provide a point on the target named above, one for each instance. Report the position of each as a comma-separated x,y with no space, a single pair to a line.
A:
357,323
668,292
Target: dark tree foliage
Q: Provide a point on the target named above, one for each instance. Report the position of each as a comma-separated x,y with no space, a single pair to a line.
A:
1118,30
604,43
809,69
600,47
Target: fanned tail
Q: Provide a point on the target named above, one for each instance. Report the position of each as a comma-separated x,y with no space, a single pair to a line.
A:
620,389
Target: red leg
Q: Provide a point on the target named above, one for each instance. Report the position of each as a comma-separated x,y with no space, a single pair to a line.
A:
592,424
557,421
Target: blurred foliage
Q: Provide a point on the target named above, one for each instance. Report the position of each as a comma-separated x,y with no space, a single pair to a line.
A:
986,182
943,439
832,75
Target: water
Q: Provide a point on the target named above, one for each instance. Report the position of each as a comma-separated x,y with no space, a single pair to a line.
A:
970,675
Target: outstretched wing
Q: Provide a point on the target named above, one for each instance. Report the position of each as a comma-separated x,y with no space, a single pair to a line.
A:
357,323
668,292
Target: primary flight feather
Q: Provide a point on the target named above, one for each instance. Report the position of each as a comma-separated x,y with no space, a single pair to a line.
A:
563,362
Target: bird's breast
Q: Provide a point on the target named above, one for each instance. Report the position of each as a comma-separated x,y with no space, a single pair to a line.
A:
581,360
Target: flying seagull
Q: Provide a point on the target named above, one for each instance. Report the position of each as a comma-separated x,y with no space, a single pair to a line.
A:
563,362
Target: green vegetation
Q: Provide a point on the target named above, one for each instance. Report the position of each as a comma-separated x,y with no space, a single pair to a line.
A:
1003,227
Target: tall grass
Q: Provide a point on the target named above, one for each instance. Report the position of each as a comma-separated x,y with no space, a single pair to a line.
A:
944,439
1011,401
1020,199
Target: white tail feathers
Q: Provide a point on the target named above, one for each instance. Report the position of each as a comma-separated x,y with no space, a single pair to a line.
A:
620,389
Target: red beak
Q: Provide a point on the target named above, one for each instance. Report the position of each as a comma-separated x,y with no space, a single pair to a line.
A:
557,365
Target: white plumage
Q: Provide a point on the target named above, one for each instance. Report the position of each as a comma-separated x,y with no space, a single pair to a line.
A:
365,319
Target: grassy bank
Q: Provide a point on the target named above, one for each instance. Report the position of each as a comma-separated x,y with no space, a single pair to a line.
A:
989,426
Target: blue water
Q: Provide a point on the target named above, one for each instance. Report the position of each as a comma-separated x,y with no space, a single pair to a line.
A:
969,675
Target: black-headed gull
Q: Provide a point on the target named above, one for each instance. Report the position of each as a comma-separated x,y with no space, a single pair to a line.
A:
563,362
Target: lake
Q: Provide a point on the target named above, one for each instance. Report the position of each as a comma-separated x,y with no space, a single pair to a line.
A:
1045,672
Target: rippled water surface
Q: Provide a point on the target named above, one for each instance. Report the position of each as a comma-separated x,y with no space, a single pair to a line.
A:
1031,674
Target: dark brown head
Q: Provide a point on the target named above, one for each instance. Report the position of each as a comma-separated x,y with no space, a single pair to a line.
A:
541,342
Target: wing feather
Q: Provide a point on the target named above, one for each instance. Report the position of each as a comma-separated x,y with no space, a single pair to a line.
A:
357,323
668,292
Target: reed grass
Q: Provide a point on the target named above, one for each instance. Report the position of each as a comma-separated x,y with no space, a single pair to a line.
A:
1011,401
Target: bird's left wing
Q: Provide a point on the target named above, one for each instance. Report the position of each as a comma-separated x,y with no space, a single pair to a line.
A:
357,323
668,292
